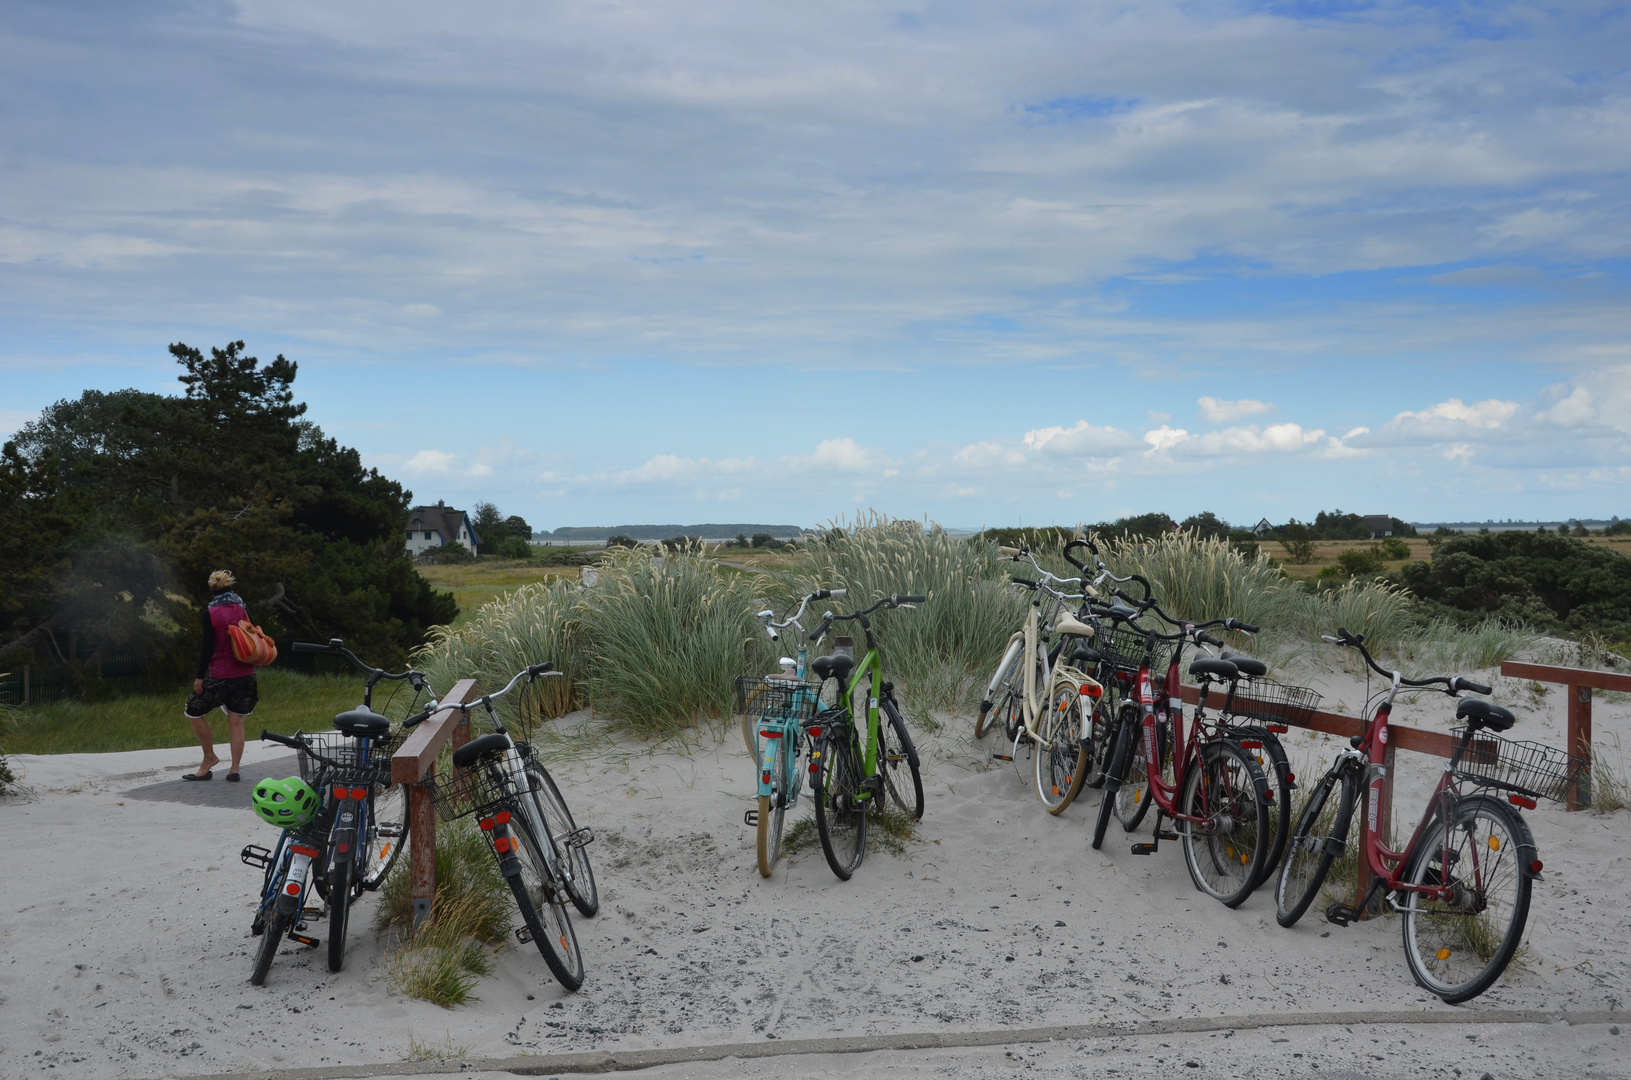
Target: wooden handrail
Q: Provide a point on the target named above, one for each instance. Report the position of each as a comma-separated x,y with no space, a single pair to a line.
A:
1405,738
1569,676
414,758
1580,682
414,764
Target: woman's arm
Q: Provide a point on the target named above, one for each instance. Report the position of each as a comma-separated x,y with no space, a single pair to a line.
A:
206,648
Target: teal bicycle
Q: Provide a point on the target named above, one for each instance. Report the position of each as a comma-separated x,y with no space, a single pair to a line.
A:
776,711
862,755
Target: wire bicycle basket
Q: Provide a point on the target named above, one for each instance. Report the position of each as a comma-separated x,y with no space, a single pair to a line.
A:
1122,647
1525,768
480,788
769,697
1274,703
341,757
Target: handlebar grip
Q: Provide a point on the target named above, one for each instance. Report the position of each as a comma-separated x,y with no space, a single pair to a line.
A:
1149,593
911,598
267,736
1004,550
538,669
1348,637
309,646
416,719
821,630
1243,627
1071,559
837,593
1460,683
1027,582
1208,639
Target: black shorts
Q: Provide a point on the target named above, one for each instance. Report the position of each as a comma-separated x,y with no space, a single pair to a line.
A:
232,695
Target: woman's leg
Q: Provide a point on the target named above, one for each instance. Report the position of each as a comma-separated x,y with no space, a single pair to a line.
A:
235,732
206,740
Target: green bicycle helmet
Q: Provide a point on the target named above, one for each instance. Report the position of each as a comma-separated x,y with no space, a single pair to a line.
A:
288,803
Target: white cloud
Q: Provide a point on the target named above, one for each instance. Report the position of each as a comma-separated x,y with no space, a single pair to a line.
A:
1576,410
1217,411
1485,414
1081,440
430,463
1165,438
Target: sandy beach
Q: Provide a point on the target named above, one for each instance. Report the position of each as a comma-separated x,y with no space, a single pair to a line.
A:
125,951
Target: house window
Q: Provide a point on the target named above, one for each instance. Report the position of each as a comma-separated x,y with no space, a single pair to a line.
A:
410,536
427,536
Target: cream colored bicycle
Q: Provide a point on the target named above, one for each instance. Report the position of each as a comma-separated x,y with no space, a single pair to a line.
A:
1041,695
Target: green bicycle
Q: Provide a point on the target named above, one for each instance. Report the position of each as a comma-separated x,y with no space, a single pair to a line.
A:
857,762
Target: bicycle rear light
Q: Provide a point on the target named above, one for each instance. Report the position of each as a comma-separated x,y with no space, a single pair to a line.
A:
487,824
342,793
1093,691
501,844
1519,800
359,793
302,849
815,732
503,817
293,888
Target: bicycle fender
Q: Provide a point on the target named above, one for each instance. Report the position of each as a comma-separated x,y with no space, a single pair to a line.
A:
344,838
767,770
288,900
509,866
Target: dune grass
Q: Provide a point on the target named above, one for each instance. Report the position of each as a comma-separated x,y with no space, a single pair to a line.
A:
288,700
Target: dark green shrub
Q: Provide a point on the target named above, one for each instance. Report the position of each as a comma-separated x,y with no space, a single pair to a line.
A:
1394,548
513,547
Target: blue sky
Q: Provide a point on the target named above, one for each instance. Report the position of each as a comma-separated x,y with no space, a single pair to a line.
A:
611,263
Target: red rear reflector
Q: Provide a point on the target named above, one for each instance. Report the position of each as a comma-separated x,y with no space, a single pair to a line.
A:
1519,800
501,844
1251,744
814,768
815,732
302,849
766,777
503,817
1535,867
1291,778
1093,691
1279,729
293,888
487,824
341,793
342,848
770,734
359,793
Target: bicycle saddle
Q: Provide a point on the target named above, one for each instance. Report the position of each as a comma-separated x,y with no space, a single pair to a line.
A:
1248,665
466,755
1066,624
362,722
1122,611
1085,655
1480,713
837,666
1206,665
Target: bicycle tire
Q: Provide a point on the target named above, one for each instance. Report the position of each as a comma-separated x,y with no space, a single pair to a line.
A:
340,895
897,758
840,816
1276,767
1062,753
1309,854
1005,684
1443,943
772,814
387,833
1112,779
542,902
1133,797
1222,785
277,924
558,818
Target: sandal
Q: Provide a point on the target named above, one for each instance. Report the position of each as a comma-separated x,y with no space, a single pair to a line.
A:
234,777
208,773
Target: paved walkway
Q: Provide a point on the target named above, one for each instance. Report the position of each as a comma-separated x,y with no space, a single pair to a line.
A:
218,792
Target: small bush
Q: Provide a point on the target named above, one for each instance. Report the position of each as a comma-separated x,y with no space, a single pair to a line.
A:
1354,563
448,553
513,547
1298,542
1393,548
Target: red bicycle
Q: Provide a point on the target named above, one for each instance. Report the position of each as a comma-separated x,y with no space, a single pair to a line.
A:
1463,881
1219,795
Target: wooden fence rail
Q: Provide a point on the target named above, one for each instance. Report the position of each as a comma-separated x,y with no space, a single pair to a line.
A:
414,764
1580,682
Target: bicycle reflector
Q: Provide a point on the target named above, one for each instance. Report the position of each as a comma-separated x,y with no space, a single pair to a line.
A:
1093,690
342,793
359,793
487,824
503,817
501,844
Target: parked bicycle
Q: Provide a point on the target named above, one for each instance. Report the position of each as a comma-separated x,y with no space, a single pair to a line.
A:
1463,880
776,711
1219,796
863,755
540,848
344,823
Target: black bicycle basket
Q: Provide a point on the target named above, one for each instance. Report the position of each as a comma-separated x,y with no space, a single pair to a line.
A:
776,698
1273,703
484,786
335,756
1526,768
1122,646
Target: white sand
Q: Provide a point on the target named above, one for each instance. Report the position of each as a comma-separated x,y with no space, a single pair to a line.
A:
124,946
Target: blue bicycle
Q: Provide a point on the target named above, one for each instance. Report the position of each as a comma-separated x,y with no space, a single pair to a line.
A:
776,711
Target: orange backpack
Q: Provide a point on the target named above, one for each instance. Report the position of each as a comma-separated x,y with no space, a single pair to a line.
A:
251,645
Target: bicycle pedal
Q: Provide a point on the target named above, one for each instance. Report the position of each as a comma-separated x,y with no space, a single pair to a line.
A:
1159,835
256,856
309,942
1145,849
583,836
1341,914
750,818
1002,757
310,913
523,934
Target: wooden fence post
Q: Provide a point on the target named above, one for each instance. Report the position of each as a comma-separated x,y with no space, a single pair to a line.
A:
1579,793
414,764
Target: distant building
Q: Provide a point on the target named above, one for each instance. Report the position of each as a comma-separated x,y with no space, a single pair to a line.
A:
432,526
1262,528
1379,525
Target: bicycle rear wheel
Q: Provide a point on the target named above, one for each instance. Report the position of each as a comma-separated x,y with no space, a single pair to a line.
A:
1271,758
1126,732
1322,830
1133,797
1062,752
340,895
1223,854
563,829
387,833
897,761
839,812
543,902
277,925
1457,949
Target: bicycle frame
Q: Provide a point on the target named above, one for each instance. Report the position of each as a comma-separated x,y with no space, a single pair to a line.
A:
1168,709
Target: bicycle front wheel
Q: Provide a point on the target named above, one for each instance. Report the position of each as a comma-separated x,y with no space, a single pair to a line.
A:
1458,947
563,830
1223,850
1133,797
839,811
897,760
543,902
340,895
277,924
1126,732
1322,831
387,833
1062,752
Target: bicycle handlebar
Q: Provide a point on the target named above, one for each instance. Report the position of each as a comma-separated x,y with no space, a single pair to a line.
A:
894,600
336,647
768,616
1453,684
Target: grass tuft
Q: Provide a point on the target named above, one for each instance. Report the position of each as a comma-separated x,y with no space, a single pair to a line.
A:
442,1051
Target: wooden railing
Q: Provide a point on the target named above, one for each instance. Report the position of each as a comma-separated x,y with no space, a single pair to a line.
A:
414,764
1580,682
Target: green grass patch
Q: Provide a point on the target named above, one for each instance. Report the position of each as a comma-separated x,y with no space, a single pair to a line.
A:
288,700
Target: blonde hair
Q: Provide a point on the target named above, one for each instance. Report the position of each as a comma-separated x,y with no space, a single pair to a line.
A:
222,579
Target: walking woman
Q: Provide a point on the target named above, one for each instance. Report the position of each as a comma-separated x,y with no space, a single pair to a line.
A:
223,681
